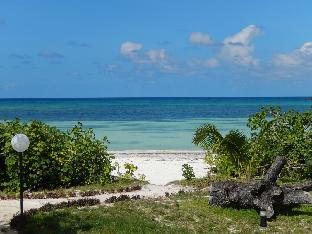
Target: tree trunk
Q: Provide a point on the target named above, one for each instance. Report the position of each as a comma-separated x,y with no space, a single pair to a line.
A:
263,195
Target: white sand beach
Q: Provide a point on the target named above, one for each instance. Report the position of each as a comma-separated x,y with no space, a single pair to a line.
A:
162,166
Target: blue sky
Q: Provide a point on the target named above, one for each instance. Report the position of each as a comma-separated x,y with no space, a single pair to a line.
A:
155,48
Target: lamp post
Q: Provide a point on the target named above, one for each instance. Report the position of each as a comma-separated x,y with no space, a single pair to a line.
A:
20,143
263,218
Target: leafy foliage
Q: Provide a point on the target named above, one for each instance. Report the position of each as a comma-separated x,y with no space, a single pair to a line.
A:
273,133
188,172
130,169
54,158
289,134
229,153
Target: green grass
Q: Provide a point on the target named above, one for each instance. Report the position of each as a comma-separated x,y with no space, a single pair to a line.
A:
184,213
198,183
205,182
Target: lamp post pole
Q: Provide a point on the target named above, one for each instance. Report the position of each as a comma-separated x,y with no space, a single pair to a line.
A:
21,182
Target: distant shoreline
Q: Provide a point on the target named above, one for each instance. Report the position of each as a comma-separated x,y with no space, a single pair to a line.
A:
152,97
157,153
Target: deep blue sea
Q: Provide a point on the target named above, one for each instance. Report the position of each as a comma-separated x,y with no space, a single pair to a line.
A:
145,123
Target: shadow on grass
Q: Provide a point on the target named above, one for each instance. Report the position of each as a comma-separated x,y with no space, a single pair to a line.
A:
292,210
104,220
64,222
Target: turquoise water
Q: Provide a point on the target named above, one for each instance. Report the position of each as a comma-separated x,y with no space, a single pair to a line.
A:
145,123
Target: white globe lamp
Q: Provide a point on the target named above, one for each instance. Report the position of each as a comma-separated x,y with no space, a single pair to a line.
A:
20,142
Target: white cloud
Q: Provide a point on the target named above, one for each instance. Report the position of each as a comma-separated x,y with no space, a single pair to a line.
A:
245,36
155,56
200,38
306,48
196,65
286,60
238,48
160,59
129,48
297,57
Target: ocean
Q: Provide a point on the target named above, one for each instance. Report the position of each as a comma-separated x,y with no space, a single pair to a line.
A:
145,123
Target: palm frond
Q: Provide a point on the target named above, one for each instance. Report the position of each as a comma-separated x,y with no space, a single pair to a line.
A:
234,144
207,135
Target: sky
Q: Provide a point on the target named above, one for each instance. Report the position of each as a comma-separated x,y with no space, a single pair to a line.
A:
155,48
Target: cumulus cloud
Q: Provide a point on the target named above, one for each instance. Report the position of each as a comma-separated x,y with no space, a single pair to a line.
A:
298,57
156,58
245,36
129,48
203,63
200,38
160,59
238,48
50,54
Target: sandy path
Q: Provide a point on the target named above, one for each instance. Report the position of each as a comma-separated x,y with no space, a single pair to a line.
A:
11,207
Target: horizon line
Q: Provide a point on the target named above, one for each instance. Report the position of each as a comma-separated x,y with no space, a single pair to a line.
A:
138,97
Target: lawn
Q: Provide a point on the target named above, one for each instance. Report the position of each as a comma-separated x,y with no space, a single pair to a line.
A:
183,213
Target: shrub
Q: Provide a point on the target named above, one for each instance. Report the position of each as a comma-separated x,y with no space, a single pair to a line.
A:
54,158
289,134
229,153
273,133
187,171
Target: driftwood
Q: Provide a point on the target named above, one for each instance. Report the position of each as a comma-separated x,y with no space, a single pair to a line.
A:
262,195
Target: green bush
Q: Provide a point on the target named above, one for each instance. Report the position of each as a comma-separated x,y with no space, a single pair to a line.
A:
228,153
54,158
273,133
276,133
187,171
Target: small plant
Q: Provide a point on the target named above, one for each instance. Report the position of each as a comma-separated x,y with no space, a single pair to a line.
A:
187,172
130,169
142,177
